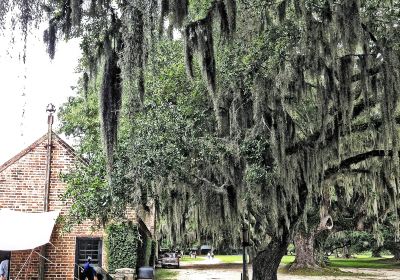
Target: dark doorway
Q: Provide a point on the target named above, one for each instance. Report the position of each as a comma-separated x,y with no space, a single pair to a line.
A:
87,247
6,255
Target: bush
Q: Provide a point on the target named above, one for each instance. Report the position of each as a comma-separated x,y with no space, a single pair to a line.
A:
121,245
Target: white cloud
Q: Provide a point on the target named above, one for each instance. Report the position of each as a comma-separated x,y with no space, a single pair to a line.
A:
26,89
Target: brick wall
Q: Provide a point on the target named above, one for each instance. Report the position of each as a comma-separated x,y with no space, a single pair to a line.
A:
22,181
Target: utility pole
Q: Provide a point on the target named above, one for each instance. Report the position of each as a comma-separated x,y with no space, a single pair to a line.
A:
50,119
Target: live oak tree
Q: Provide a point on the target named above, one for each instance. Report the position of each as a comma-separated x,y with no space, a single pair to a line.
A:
349,211
303,94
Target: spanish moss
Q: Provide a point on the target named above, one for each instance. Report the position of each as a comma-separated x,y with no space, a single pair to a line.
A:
110,104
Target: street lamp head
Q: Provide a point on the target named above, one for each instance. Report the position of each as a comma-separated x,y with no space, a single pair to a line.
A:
51,108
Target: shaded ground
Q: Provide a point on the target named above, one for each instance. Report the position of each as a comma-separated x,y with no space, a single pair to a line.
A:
208,270
360,267
203,271
384,274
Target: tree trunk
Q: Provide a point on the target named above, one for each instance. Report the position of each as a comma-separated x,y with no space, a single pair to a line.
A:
266,262
394,248
376,252
396,254
304,243
346,252
250,254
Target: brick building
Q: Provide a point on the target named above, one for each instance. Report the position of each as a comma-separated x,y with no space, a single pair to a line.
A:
22,187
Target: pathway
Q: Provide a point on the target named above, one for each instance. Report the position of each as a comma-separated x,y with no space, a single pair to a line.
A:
213,270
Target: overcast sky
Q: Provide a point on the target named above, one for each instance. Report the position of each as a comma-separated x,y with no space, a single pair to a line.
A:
26,89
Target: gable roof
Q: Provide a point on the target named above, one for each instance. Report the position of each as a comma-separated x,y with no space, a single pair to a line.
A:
34,145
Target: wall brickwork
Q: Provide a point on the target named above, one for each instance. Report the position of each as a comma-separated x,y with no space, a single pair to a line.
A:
22,183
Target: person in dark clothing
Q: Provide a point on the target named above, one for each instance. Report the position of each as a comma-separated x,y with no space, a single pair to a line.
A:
99,273
88,270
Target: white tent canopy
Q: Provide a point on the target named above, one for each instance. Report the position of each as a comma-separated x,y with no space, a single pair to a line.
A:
25,231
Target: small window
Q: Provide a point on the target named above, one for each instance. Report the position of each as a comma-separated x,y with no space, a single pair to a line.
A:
87,247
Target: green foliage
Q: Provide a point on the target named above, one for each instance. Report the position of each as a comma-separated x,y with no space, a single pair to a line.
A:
198,9
165,274
128,246
79,118
254,150
122,243
88,192
164,133
356,241
256,174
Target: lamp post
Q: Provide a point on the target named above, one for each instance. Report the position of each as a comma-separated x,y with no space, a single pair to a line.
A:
245,242
50,109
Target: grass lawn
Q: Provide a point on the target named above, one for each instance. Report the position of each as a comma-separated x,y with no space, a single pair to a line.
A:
189,259
287,259
364,262
360,261
221,258
229,258
165,274
239,258
327,271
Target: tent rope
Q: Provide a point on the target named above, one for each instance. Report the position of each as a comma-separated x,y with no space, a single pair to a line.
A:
40,255
19,272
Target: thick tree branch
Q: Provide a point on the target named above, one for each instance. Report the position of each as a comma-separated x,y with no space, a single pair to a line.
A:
371,35
359,108
350,171
213,187
312,140
345,164
370,72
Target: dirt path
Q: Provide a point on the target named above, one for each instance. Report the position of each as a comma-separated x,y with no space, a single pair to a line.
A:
204,271
201,271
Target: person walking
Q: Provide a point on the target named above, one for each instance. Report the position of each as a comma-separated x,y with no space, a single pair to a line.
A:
88,270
